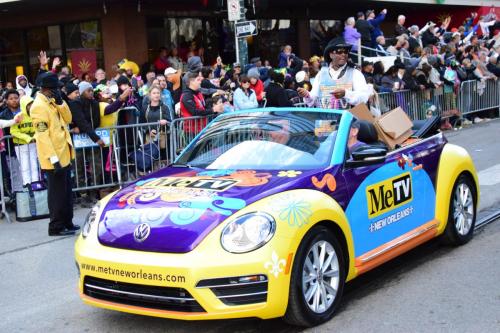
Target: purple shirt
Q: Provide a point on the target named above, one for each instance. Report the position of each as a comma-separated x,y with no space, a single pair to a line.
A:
351,36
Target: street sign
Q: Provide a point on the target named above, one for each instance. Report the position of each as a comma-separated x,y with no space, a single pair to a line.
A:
245,29
233,10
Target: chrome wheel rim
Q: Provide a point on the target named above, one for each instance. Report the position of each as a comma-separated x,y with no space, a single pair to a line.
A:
320,277
463,209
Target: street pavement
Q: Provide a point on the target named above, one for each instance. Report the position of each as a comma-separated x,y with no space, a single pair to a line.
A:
433,288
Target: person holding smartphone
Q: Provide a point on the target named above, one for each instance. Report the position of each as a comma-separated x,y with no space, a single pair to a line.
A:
51,116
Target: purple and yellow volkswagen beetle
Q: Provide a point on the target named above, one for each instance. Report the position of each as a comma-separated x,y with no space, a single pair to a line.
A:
267,214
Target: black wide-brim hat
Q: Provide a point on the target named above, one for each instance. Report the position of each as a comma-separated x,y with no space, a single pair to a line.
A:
336,43
48,80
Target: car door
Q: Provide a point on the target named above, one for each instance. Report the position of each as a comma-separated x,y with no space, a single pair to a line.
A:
387,201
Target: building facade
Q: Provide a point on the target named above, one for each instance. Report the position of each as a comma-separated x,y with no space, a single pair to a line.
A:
107,31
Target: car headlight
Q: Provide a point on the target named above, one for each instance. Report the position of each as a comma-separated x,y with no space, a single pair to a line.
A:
248,232
91,217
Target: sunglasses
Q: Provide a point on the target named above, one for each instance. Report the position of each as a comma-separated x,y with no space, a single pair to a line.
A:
341,51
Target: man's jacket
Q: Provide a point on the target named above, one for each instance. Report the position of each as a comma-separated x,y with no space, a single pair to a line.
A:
53,141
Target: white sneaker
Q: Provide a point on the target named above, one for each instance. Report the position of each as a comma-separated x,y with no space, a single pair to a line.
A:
486,119
477,120
467,122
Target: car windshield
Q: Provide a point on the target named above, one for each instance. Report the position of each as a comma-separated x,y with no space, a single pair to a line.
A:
265,140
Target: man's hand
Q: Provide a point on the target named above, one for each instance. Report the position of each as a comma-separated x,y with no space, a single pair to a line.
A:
384,11
57,167
18,118
75,130
125,95
56,94
56,62
101,143
302,92
338,93
43,59
163,122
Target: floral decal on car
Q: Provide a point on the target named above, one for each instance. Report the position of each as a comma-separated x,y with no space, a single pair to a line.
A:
294,210
289,173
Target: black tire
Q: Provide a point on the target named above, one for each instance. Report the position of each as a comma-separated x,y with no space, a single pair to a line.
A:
453,235
298,312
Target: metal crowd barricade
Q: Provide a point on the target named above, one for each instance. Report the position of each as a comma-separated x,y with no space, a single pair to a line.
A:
475,96
140,149
414,103
184,130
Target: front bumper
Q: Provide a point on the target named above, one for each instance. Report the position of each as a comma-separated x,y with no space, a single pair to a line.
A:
125,272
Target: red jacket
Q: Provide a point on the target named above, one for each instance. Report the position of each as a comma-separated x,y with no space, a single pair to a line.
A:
259,89
193,105
161,65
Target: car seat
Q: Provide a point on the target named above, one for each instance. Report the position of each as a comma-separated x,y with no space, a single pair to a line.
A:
368,134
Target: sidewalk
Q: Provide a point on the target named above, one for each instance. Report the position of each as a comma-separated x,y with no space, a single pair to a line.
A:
20,235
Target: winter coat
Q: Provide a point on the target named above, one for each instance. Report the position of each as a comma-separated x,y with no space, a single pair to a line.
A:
192,105
388,82
26,89
375,23
153,114
86,115
399,30
365,29
23,132
53,141
352,36
258,87
243,101
276,95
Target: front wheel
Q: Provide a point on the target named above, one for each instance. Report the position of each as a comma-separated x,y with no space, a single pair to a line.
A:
462,212
318,278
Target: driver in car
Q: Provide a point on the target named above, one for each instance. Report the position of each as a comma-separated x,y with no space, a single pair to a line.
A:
353,144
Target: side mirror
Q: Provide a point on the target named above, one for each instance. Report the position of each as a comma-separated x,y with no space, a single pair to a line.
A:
367,155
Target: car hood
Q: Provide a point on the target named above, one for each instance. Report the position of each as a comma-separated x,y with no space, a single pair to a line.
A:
174,209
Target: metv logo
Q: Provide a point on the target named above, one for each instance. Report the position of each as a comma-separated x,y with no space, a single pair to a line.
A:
388,194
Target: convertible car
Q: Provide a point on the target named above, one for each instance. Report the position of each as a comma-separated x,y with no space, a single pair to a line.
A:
268,213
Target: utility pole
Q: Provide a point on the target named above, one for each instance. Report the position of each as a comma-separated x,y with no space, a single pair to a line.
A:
236,13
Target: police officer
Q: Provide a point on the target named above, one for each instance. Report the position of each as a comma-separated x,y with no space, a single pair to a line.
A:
51,116
338,85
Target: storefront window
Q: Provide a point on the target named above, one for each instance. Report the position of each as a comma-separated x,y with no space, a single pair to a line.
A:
42,38
84,38
190,35
56,40
11,54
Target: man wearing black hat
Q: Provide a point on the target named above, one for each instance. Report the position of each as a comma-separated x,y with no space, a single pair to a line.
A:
339,85
51,116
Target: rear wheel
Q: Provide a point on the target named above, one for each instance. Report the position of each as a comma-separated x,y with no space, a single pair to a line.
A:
318,278
462,212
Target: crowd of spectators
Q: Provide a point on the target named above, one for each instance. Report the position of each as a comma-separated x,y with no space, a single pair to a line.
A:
434,57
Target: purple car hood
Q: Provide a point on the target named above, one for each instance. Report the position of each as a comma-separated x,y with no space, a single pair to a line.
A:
174,209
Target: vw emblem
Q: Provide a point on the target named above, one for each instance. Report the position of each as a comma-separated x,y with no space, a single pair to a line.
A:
142,232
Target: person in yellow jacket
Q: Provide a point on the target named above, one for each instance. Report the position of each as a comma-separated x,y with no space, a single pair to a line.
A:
23,135
51,116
